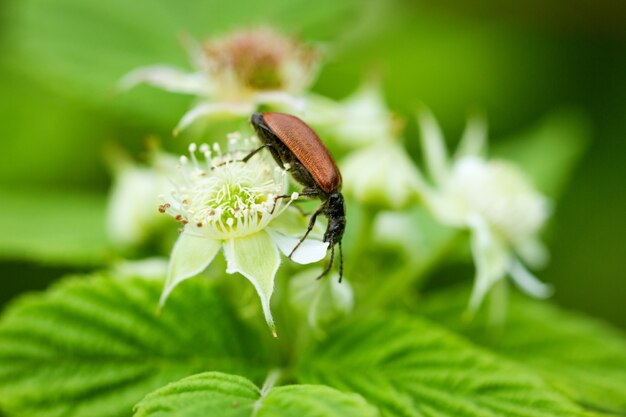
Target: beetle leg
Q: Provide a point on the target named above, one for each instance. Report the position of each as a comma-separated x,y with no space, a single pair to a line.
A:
309,192
330,263
271,148
254,152
308,230
278,197
293,204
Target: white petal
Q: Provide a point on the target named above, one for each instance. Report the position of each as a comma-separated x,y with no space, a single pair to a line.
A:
195,52
491,259
533,252
309,251
390,229
281,99
434,147
359,120
190,256
213,109
527,282
322,112
474,139
382,175
167,78
256,258
342,294
131,214
321,301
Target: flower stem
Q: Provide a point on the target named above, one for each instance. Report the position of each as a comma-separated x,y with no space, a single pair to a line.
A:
395,285
498,305
269,383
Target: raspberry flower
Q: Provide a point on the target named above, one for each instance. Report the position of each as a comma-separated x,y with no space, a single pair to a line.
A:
381,175
379,172
359,120
131,218
236,74
222,202
320,302
494,200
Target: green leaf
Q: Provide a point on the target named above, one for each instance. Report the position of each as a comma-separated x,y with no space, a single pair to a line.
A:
410,367
47,139
52,226
217,394
95,346
583,358
549,151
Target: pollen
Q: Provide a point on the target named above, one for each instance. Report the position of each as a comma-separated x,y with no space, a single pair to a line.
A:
259,60
224,196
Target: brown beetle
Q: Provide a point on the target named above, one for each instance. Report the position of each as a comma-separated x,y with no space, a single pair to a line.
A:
294,144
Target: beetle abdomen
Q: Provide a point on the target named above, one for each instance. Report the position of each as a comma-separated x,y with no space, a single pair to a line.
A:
307,147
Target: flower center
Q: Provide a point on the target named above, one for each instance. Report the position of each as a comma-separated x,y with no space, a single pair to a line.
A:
224,197
501,194
259,60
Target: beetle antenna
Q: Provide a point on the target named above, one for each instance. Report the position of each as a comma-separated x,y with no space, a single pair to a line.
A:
330,263
254,152
278,197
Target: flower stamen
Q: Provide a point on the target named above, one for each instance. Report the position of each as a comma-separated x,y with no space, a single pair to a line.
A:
228,198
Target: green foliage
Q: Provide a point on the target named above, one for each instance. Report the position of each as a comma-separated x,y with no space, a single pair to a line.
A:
53,227
581,357
410,367
217,394
95,346
46,139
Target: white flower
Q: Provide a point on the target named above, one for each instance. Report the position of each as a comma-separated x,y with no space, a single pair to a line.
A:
494,200
131,217
235,74
359,120
321,302
225,203
380,172
382,175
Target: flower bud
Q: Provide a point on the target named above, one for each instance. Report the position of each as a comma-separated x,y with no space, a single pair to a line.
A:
381,175
321,301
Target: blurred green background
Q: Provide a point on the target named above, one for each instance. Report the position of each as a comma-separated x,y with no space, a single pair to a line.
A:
519,63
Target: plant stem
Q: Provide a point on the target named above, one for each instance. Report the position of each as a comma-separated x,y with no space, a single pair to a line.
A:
396,285
498,306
